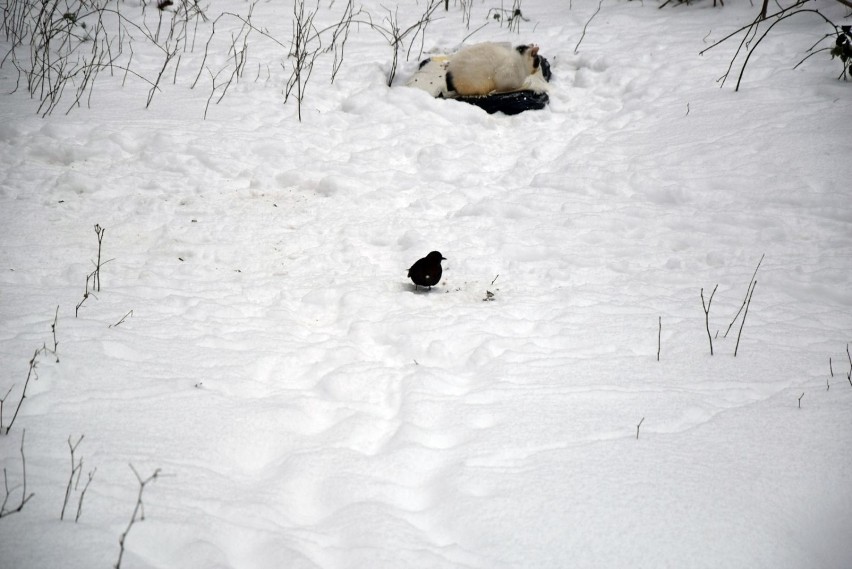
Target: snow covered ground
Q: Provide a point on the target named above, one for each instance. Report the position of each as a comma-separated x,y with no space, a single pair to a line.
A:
256,340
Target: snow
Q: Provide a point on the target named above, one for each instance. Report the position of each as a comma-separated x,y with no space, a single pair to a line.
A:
255,337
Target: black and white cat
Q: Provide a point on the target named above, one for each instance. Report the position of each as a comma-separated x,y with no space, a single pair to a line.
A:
486,68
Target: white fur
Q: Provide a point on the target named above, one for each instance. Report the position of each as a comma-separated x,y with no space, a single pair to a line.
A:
485,68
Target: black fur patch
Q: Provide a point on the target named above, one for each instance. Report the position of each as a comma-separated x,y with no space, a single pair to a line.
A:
522,49
450,85
545,68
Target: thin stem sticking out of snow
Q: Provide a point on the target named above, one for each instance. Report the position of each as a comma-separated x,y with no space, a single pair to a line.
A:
24,496
849,375
74,480
740,333
138,511
589,21
748,289
53,331
31,373
707,315
76,467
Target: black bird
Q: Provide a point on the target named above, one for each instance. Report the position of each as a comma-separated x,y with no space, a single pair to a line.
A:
427,271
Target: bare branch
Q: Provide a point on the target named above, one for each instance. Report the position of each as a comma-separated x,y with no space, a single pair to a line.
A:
746,295
31,373
83,494
24,496
707,315
76,467
589,21
138,514
751,292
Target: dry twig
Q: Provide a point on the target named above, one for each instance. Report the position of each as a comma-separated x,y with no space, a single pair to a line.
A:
4,510
138,511
707,315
